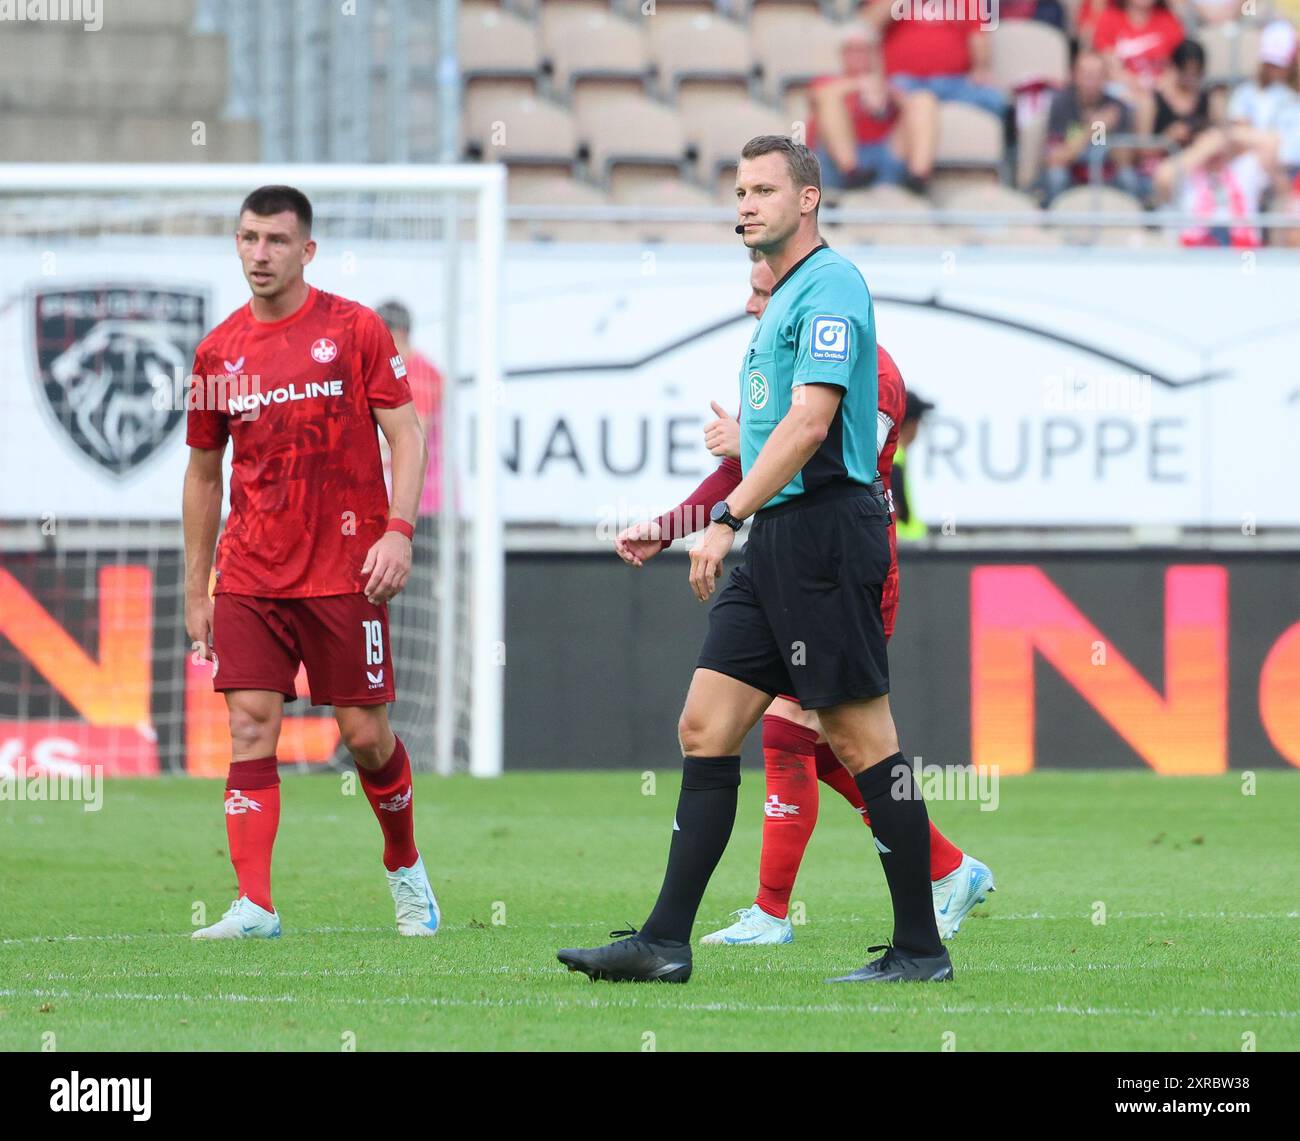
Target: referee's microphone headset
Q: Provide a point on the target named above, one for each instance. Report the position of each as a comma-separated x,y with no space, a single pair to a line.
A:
740,229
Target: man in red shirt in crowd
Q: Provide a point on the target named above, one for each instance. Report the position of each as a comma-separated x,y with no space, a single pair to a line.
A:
1136,38
312,550
858,126
933,59
796,754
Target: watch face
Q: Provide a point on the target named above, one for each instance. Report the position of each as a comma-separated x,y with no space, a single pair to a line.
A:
719,510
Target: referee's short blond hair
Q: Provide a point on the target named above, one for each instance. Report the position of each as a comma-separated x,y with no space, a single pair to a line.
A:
804,168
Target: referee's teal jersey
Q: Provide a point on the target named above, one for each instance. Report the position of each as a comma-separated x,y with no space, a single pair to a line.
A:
819,328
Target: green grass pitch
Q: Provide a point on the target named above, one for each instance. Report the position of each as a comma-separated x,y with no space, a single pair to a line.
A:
1199,946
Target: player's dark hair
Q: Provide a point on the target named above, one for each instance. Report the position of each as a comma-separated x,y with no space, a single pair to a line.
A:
916,407
804,168
395,315
268,200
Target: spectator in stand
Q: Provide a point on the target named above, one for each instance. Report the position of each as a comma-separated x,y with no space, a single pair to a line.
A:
1269,101
1180,109
933,59
1137,37
1270,106
426,393
1220,179
858,126
1085,22
1082,117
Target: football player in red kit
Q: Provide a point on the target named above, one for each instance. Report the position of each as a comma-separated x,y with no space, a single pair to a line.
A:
795,752
312,549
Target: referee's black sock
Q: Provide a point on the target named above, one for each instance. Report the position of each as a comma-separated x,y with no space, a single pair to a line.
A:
902,829
706,811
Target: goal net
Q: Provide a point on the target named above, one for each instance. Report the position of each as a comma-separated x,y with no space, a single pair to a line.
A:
111,276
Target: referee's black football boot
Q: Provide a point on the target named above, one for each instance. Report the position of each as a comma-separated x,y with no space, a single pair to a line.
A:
633,959
896,966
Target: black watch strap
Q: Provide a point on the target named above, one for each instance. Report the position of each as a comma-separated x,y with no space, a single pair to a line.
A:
721,513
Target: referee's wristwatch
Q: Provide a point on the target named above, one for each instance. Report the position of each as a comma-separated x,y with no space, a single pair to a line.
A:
721,513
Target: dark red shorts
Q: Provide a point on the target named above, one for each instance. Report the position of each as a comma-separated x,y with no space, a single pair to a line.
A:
342,639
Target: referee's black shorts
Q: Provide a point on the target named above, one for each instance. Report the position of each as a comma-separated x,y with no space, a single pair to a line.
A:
801,615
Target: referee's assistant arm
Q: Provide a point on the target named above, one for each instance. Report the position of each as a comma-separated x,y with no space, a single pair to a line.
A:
388,562
791,445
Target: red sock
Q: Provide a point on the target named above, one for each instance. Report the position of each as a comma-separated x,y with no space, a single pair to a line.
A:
252,817
831,772
390,794
944,854
790,812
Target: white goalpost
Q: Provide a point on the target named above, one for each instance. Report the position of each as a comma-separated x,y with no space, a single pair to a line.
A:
107,273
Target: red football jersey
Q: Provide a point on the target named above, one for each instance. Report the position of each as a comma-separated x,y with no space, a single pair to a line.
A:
891,397
307,495
891,400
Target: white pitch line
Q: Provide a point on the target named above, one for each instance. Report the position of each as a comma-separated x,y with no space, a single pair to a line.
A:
712,1007
438,970
363,930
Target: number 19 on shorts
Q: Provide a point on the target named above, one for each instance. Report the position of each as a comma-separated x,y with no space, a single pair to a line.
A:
374,632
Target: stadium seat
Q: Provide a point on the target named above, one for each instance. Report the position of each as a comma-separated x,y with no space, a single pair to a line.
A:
1231,51
993,198
1103,200
719,123
724,185
583,42
546,186
627,127
893,199
1031,141
969,138
650,186
1027,51
792,46
1098,200
497,43
501,125
698,45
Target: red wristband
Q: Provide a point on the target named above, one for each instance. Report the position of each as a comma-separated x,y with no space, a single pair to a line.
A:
401,526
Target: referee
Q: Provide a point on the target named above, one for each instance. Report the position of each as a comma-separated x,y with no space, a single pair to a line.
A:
802,613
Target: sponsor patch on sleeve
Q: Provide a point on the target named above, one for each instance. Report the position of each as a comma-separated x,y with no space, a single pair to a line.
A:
830,339
399,366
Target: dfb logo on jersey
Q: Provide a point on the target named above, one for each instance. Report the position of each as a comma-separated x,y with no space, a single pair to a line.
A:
324,350
108,358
